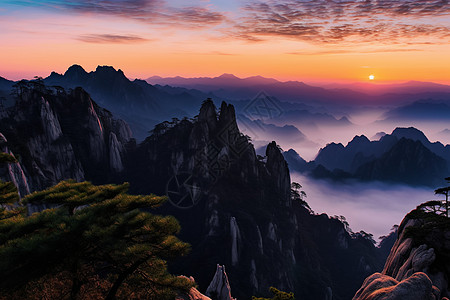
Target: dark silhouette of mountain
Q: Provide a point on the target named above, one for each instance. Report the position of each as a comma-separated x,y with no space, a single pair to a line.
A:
420,110
239,210
418,264
243,205
63,135
5,84
139,103
408,162
295,161
263,131
358,151
383,160
410,87
230,86
305,118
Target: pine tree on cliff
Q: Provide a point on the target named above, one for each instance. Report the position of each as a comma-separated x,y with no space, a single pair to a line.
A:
277,295
95,242
444,191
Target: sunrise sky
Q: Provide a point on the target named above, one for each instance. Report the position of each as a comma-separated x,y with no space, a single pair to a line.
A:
341,40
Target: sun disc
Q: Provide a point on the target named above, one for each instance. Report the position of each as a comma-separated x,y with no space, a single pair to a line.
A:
371,77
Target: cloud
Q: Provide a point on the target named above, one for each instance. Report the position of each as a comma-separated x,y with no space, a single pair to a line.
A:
347,51
341,21
153,12
111,39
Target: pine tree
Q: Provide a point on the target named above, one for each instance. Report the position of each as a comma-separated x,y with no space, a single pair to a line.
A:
94,242
277,295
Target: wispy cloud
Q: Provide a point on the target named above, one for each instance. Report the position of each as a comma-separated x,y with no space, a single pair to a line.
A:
342,21
111,39
154,12
347,51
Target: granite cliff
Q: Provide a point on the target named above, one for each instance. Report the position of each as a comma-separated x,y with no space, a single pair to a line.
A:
59,135
235,207
418,266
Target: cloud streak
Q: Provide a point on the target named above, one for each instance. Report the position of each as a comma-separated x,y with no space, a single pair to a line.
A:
340,21
152,12
111,39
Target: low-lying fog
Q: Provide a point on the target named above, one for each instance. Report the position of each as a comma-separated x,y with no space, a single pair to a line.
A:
373,207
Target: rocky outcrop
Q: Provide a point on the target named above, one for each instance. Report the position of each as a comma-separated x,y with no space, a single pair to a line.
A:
193,293
59,135
235,209
418,266
13,172
219,288
383,287
277,165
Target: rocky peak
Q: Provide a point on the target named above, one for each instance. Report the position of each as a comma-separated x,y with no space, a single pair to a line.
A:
219,288
227,117
418,266
108,74
64,135
208,114
76,73
359,140
277,166
410,133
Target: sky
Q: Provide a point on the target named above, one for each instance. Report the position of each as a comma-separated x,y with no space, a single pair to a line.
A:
305,40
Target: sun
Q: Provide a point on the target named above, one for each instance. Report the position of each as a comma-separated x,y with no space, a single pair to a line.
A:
371,77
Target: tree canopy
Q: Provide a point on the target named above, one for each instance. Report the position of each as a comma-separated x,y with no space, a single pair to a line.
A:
277,295
90,242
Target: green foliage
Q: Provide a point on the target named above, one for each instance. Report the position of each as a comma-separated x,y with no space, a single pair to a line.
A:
277,295
92,234
7,158
299,195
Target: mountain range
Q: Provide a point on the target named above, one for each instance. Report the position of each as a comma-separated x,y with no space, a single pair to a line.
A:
232,87
404,156
228,196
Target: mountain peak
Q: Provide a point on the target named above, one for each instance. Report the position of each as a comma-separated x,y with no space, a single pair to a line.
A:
228,76
75,71
410,133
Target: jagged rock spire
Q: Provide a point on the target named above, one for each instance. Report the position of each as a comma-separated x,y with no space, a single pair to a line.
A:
219,288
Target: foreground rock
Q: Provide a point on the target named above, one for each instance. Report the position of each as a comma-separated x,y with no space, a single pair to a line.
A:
418,266
383,287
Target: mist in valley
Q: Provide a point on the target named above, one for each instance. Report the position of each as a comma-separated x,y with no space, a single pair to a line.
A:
370,206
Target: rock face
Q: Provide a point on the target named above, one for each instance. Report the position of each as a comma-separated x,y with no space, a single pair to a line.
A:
235,209
219,288
383,287
418,266
13,172
59,135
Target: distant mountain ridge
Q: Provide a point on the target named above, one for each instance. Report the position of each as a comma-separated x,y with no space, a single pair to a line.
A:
231,86
141,104
405,156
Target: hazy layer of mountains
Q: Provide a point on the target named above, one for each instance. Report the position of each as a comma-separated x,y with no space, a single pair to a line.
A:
404,156
220,190
230,86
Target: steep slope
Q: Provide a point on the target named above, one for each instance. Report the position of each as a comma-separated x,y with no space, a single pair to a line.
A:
418,266
235,209
407,161
406,156
59,135
137,102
